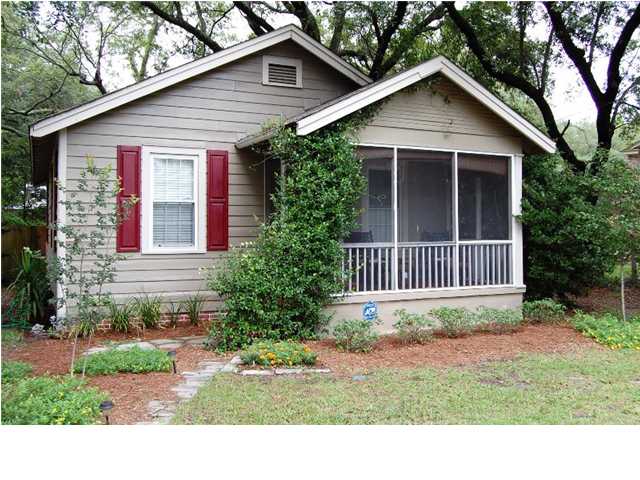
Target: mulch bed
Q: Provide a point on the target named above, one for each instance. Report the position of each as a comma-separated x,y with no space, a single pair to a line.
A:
130,393
442,352
603,299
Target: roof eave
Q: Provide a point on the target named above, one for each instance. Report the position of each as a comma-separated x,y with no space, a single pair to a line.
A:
184,72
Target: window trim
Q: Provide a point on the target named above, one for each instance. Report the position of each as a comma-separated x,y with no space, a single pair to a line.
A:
200,187
295,62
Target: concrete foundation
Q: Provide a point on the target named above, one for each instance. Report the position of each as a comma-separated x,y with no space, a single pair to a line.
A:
424,300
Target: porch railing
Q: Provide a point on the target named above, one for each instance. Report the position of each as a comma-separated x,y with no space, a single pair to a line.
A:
374,268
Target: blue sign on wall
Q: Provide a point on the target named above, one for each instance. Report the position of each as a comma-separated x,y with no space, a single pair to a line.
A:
370,311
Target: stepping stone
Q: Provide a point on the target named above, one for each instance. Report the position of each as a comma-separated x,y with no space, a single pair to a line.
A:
170,346
235,360
95,350
164,341
129,346
359,378
256,373
212,364
317,370
229,368
196,341
193,337
288,371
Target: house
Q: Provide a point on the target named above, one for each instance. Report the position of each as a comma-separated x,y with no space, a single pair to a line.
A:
443,164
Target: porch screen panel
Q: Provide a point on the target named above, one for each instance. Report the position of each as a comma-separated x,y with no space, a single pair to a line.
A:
368,260
375,222
483,197
425,196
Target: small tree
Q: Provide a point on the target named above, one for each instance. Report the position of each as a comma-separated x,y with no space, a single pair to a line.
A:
618,187
88,256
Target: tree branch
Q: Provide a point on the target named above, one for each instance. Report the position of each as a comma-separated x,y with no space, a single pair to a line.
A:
307,19
258,24
180,22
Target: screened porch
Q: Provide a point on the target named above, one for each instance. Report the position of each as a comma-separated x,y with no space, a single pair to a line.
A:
431,220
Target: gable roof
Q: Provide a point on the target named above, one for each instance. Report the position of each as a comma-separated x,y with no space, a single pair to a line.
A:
184,72
322,115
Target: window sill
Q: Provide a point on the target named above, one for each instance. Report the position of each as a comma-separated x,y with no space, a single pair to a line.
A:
172,251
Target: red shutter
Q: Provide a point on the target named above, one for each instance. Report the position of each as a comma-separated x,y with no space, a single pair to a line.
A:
129,172
217,200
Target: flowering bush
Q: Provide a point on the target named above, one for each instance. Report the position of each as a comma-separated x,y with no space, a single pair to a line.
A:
276,354
609,330
413,327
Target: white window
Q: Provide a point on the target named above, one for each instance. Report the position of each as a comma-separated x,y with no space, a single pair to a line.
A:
282,71
173,200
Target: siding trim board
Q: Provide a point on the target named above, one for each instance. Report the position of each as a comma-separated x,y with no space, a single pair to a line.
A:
192,69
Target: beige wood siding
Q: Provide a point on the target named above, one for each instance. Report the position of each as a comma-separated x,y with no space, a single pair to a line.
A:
441,116
211,111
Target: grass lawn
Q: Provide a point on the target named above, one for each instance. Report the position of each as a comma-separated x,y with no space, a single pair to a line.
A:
592,387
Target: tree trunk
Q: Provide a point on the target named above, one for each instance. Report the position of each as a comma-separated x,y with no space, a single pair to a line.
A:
624,312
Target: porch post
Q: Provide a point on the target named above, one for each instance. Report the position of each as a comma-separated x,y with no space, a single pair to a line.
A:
395,219
456,236
516,226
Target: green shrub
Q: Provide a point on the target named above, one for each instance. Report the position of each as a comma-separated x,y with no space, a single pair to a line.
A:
149,310
274,354
120,315
30,290
174,310
543,311
50,401
498,320
14,371
134,360
11,337
193,308
276,287
609,330
355,335
455,322
413,327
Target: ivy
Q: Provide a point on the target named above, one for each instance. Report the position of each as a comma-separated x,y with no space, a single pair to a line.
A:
277,287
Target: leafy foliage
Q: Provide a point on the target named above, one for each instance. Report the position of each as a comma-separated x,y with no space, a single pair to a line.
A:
11,337
120,315
149,309
609,330
275,354
543,311
133,360
355,335
30,289
455,322
193,307
275,288
50,401
14,371
498,320
566,238
413,327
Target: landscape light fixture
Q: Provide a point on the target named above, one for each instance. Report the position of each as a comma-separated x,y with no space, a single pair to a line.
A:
105,407
172,356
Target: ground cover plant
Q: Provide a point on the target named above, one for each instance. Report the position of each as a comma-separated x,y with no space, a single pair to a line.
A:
11,337
591,387
14,371
609,330
355,335
276,354
413,327
133,360
543,311
46,400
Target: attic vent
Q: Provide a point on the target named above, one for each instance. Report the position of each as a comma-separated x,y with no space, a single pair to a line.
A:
282,72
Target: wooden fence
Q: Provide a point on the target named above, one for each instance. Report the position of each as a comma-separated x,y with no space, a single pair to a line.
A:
14,238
